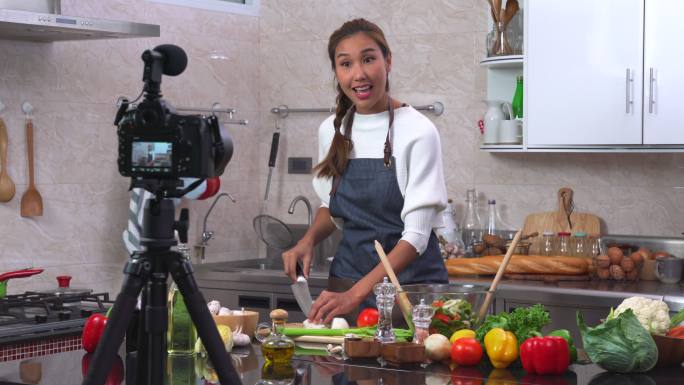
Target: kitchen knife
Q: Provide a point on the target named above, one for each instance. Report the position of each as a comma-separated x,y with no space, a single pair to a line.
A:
301,292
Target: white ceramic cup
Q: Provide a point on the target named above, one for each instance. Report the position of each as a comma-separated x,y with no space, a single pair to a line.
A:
510,132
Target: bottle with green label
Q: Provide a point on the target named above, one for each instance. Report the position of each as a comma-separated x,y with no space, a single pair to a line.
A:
517,103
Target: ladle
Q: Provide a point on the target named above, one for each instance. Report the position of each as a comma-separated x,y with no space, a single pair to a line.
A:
7,187
31,201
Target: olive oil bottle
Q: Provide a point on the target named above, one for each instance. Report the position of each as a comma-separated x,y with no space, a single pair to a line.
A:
277,348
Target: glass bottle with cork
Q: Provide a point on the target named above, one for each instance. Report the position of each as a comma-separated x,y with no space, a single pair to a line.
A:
276,347
471,225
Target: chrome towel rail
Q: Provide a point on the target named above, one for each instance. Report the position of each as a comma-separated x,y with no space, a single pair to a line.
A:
216,109
283,110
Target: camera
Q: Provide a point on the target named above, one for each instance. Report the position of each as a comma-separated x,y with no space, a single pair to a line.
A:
157,143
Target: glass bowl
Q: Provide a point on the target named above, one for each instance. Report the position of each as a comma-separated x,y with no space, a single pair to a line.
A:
456,306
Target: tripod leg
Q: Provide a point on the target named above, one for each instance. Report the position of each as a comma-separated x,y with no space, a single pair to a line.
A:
156,323
181,271
136,275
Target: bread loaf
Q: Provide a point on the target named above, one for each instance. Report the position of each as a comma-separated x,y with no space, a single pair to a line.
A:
519,264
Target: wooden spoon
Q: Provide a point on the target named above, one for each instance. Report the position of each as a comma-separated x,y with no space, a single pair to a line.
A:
512,8
497,277
31,201
404,303
7,187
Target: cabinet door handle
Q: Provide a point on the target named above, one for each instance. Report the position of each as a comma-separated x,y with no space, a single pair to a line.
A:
628,90
651,90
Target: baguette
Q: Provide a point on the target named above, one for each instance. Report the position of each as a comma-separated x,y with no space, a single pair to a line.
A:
519,264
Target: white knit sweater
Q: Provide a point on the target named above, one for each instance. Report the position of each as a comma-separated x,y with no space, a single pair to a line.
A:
418,159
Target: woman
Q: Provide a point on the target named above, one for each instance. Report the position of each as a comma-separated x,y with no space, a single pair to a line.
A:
380,178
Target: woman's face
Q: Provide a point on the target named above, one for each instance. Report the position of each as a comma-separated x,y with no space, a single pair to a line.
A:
362,72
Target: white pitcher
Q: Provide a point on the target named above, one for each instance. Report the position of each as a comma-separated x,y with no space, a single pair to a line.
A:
496,112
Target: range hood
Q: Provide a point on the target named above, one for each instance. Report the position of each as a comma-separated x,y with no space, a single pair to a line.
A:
40,20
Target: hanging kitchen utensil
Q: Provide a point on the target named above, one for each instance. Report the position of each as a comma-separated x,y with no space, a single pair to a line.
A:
31,201
15,274
497,278
272,231
564,219
7,187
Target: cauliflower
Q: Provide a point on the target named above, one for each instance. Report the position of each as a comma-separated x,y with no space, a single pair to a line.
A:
653,315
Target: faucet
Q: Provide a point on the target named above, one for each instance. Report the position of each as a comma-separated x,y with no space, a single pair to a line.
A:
308,207
208,235
317,251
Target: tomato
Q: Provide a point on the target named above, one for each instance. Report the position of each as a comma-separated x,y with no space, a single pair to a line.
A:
437,303
368,317
443,317
676,332
466,352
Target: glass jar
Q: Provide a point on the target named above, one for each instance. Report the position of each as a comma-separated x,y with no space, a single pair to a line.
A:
579,245
548,243
501,46
276,347
563,244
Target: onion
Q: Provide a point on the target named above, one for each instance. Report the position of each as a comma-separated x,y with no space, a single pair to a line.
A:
437,347
339,323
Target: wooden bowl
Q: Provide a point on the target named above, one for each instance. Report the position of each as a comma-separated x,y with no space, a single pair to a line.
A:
670,350
248,319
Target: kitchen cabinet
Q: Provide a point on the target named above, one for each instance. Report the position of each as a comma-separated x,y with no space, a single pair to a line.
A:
602,72
600,76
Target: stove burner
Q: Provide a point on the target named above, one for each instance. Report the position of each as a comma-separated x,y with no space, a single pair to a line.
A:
41,318
64,315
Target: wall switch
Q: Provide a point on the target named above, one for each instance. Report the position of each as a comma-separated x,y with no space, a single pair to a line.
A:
299,165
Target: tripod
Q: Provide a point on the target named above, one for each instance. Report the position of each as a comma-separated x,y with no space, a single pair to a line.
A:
149,270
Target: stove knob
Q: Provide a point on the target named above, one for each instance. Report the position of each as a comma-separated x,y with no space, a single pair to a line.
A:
64,315
41,318
86,313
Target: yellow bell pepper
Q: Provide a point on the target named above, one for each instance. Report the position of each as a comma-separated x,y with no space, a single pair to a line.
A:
463,333
502,347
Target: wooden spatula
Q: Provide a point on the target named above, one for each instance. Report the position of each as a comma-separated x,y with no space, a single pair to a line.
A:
31,201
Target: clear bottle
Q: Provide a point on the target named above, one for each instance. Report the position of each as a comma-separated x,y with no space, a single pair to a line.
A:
451,244
181,334
471,225
563,244
276,347
579,245
517,104
548,243
422,316
493,226
384,298
594,245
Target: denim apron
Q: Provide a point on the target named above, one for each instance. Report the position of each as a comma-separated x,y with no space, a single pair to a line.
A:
367,197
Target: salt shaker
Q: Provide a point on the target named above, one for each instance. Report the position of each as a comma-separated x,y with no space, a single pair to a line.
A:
384,297
422,315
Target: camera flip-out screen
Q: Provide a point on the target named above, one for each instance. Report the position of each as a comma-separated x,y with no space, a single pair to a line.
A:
151,156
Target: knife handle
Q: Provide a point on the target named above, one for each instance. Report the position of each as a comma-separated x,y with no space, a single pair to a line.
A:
298,270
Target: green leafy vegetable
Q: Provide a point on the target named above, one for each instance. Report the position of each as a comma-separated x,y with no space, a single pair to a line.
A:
451,315
524,322
677,319
620,344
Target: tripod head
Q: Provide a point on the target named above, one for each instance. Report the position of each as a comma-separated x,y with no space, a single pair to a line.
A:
159,225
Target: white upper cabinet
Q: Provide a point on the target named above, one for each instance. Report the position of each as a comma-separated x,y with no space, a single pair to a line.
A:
584,66
663,75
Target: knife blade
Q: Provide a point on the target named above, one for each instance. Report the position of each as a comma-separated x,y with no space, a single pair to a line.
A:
301,292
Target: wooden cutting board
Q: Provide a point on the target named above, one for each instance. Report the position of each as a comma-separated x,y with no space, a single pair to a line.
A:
563,219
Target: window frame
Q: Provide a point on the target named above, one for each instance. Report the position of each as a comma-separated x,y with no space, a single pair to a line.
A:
251,7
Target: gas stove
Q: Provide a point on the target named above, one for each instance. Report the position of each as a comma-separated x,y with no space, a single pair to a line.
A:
35,315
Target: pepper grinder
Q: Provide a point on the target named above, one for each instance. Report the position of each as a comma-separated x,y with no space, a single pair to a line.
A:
384,297
422,315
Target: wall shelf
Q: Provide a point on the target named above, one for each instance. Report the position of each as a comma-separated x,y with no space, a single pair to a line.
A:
502,62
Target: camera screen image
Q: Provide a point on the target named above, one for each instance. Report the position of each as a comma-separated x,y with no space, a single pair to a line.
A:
151,154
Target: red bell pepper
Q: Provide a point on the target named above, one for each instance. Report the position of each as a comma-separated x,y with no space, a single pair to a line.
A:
545,355
92,331
116,373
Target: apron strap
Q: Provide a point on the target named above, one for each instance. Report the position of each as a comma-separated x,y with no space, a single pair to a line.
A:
388,139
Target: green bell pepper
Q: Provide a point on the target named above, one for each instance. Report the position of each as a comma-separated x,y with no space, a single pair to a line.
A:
565,334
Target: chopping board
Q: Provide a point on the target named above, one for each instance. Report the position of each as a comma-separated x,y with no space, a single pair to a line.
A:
563,219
